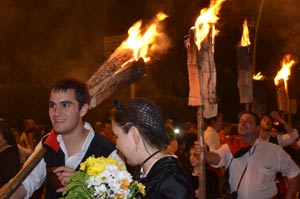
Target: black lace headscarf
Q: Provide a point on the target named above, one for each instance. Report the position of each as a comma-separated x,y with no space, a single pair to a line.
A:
146,117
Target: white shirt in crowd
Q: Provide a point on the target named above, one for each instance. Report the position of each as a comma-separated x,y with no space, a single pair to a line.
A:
211,138
263,161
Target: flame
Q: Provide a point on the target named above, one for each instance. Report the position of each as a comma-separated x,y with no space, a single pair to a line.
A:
143,42
206,20
285,71
245,41
258,76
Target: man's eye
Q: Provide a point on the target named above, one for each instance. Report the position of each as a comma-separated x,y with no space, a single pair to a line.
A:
51,105
66,105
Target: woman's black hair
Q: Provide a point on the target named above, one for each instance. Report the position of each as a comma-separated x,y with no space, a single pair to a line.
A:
9,137
7,134
146,117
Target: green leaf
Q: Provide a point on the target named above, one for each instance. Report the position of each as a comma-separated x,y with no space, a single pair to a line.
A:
77,187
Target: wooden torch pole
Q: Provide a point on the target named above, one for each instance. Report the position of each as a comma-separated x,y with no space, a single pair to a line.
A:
194,100
202,177
8,189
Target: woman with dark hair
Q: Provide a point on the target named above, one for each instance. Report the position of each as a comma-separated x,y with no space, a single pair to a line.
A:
9,155
142,139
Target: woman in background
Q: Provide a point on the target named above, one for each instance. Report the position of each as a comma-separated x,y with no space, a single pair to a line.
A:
142,138
9,155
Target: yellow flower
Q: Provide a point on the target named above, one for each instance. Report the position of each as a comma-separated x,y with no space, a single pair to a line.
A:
95,166
141,188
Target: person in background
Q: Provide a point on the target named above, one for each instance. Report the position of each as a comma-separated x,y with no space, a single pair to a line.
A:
173,146
9,155
141,137
253,163
108,133
269,133
34,135
24,140
98,127
212,179
211,136
24,152
71,141
185,142
223,133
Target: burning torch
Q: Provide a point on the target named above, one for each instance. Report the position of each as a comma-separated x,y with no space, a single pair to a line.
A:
245,83
281,82
202,75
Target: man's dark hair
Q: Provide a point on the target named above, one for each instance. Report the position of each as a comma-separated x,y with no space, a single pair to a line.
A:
81,90
256,118
265,115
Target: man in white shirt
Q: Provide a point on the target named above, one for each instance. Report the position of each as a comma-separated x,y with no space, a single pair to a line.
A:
269,133
69,143
211,136
252,175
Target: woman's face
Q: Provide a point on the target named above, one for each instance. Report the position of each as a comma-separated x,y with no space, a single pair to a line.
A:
125,143
194,157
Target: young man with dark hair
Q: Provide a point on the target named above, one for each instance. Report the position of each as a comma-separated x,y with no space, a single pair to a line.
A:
69,143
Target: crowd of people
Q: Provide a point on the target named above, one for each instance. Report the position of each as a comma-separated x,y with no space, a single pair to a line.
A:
257,157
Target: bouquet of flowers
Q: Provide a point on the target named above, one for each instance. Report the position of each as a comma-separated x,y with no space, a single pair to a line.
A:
102,178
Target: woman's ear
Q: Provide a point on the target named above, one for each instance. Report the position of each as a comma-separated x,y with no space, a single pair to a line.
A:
134,132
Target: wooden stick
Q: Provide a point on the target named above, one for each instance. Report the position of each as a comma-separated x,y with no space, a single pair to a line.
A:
202,172
8,189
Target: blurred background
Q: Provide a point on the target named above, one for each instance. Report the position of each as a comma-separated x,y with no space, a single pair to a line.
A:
42,41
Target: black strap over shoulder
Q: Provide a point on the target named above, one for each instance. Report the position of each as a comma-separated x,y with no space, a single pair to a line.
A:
238,154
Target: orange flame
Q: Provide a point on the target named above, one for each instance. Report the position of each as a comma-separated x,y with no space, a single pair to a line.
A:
285,71
245,41
143,43
206,20
258,76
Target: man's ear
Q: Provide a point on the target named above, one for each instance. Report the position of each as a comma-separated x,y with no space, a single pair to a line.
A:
84,109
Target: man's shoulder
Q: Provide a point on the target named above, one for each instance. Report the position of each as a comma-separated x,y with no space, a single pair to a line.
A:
265,145
210,129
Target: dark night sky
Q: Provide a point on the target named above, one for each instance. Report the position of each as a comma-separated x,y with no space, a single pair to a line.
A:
41,41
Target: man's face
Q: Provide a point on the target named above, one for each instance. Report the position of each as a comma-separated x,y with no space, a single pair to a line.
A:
64,111
266,124
247,125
